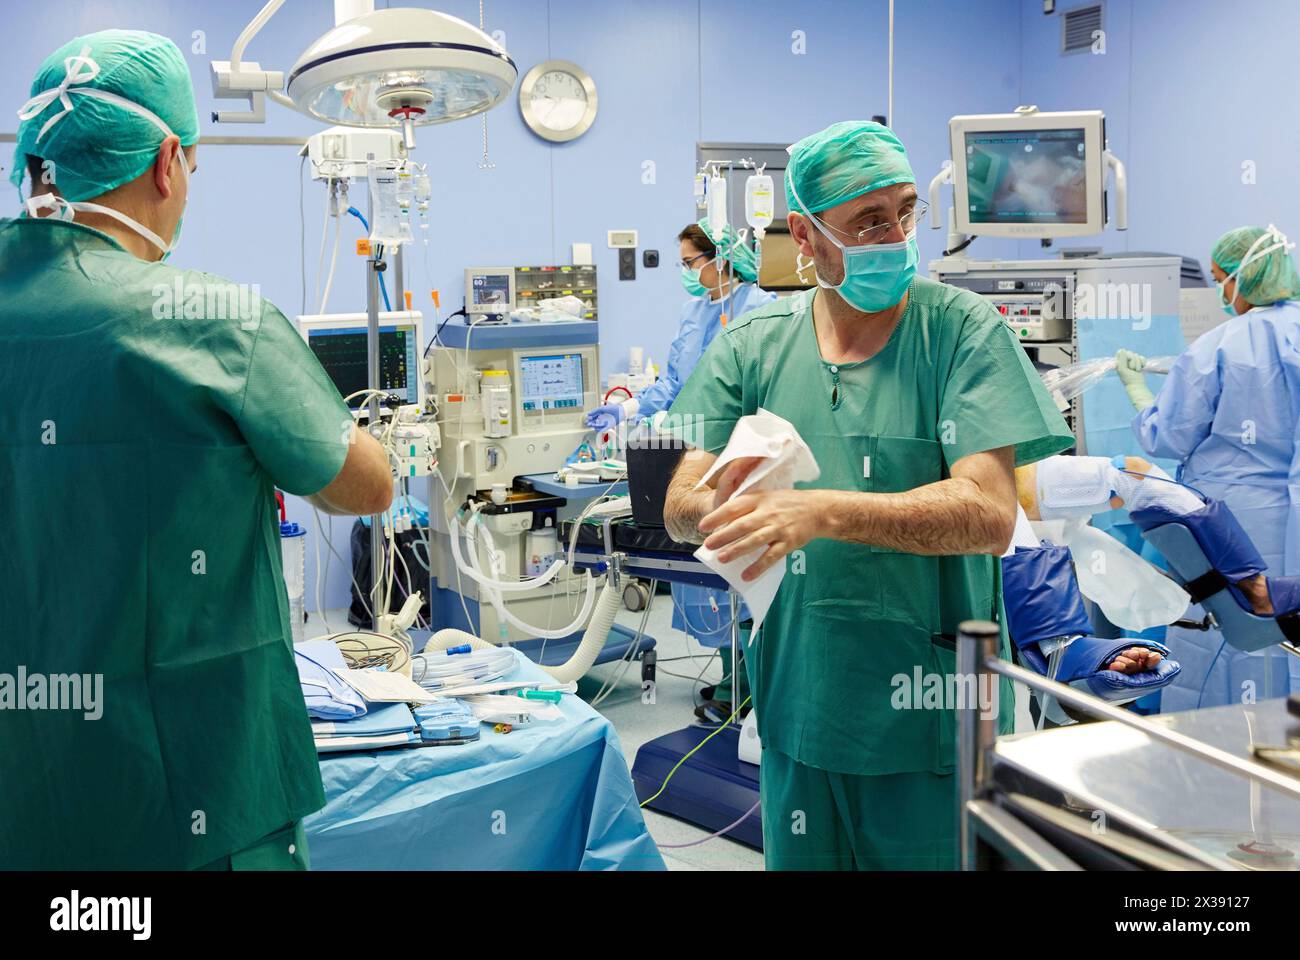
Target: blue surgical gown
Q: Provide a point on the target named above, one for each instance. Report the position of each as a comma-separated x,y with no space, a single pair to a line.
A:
702,612
1228,413
701,322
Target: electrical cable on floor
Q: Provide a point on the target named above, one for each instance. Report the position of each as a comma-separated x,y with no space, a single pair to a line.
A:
664,786
713,836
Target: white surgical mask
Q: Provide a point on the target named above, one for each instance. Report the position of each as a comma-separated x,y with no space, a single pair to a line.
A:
876,275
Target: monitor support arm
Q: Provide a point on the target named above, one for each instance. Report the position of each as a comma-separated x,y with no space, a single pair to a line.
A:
1114,164
955,239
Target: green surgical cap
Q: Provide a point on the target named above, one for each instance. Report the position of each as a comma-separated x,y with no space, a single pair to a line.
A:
1266,279
735,252
98,144
843,162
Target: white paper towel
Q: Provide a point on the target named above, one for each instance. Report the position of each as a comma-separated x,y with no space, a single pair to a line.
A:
786,461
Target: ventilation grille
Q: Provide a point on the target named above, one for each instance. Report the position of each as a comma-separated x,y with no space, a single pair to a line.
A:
1078,26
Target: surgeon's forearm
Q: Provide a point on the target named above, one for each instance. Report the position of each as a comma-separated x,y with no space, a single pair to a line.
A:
684,506
682,520
949,518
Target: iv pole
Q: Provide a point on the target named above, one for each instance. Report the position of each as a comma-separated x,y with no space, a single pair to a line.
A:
375,267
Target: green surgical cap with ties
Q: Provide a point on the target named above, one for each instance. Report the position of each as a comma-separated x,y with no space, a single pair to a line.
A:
101,106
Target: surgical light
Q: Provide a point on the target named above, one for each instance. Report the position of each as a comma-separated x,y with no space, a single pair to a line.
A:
400,67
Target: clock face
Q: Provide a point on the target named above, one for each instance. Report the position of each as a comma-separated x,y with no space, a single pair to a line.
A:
558,100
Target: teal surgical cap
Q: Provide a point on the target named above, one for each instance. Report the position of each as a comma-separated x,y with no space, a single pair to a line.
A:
1265,279
733,250
100,140
843,162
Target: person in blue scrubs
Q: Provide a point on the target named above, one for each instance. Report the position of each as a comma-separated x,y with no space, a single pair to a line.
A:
1228,412
720,274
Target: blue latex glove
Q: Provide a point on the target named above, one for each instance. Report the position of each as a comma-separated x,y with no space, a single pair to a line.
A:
605,418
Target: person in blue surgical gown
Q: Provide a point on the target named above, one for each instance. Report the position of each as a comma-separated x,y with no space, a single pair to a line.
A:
1228,413
719,272
720,275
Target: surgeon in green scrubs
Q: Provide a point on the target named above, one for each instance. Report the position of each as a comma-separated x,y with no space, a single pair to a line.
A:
917,402
151,413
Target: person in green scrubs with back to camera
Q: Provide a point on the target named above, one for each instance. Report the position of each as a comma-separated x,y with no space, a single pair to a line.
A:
917,402
152,412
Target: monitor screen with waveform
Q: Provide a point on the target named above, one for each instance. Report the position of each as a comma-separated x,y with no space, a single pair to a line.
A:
343,354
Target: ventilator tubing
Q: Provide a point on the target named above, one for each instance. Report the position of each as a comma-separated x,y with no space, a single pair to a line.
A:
598,623
493,588
506,586
576,667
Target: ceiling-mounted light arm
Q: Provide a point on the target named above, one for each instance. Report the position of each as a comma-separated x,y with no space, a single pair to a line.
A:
249,32
236,79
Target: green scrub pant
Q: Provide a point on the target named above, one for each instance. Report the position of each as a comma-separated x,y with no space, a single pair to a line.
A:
285,849
817,820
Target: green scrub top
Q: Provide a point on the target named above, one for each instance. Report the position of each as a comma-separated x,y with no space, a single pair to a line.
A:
147,432
847,666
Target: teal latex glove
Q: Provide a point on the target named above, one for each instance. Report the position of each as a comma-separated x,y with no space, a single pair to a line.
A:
1129,366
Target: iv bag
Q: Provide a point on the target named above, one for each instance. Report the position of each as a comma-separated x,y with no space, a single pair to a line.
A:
759,208
390,225
717,206
405,190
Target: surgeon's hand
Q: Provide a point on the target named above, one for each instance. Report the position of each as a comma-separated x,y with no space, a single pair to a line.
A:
1129,366
732,476
605,418
780,520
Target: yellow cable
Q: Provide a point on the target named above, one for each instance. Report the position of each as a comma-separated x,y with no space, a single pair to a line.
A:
664,785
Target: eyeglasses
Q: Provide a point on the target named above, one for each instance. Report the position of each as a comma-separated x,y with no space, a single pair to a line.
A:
877,232
686,264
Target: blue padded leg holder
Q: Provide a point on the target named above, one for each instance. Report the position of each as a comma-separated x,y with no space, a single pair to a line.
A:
1043,602
1210,542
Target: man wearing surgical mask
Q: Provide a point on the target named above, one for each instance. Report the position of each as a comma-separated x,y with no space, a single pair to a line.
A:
148,433
917,402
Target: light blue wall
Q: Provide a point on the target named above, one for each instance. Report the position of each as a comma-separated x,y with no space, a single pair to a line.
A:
669,73
1192,91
